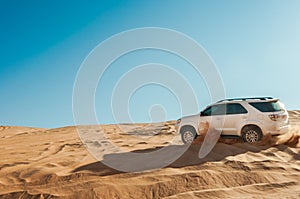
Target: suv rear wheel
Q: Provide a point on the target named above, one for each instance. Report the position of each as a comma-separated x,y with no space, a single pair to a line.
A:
251,134
188,134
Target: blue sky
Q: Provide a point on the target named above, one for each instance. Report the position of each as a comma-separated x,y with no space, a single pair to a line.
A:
255,45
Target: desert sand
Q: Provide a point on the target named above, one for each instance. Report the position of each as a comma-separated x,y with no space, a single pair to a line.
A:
55,163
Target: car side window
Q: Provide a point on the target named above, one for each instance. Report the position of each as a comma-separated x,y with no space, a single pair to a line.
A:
219,109
235,108
206,112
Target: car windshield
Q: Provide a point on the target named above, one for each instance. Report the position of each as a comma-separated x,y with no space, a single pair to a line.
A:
273,106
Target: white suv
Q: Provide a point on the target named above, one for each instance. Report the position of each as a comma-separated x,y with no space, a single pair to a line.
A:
246,118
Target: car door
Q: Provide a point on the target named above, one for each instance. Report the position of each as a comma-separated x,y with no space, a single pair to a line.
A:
235,115
215,116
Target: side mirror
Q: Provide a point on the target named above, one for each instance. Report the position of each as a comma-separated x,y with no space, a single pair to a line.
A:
201,113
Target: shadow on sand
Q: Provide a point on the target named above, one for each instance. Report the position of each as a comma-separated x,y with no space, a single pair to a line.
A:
176,156
189,157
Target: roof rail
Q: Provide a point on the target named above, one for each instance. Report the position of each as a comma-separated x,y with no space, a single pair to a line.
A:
246,98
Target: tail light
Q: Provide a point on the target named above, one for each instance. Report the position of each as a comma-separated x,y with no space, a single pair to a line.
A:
276,117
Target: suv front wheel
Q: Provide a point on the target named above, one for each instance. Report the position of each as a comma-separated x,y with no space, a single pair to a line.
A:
188,134
251,134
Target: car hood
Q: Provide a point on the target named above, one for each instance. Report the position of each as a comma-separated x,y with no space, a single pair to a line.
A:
191,117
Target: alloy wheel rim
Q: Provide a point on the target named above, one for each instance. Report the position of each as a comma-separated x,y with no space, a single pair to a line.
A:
188,136
251,136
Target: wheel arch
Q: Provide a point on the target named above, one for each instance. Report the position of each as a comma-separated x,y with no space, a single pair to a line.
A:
187,126
188,123
251,124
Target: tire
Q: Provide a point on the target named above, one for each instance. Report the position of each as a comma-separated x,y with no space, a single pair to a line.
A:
188,134
251,134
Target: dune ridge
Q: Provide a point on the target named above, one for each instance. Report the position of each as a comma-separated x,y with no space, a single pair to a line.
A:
55,163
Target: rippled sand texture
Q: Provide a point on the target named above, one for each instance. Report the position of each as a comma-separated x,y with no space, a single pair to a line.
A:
54,163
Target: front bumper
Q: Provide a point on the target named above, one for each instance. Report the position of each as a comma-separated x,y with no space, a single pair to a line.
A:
177,127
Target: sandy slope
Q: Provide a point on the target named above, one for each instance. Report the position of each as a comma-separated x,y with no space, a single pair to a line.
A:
50,163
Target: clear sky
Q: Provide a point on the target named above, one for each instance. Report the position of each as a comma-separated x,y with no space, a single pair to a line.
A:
255,45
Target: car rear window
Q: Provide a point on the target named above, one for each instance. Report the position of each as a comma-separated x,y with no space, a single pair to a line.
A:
267,106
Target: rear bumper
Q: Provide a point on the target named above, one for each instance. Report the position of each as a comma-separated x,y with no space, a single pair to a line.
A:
280,130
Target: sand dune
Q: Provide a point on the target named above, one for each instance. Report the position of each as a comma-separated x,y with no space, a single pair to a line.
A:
54,163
